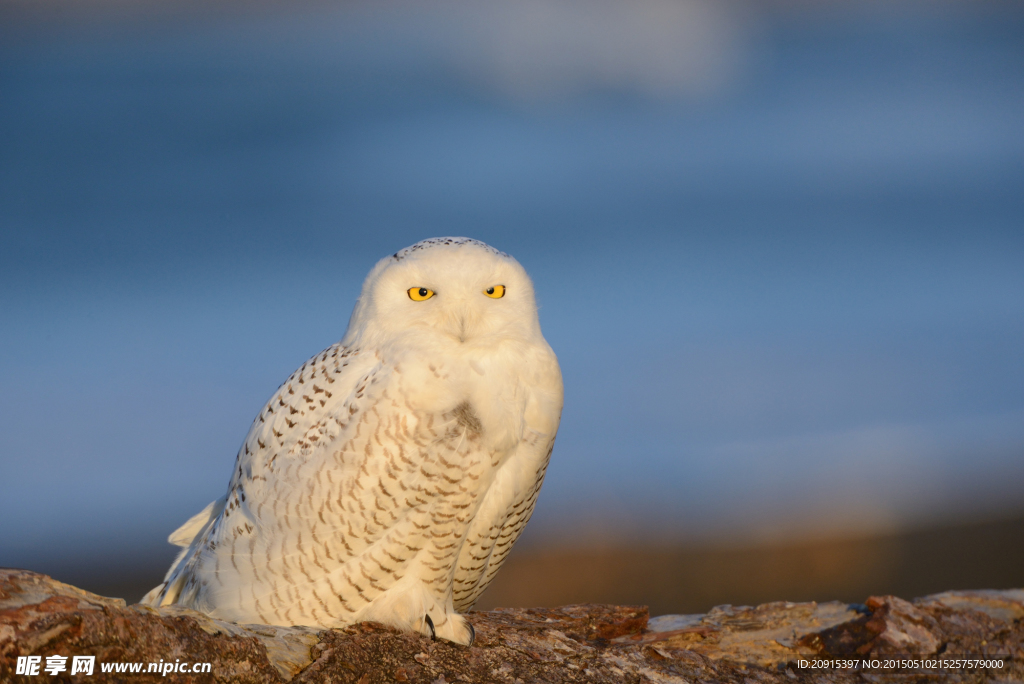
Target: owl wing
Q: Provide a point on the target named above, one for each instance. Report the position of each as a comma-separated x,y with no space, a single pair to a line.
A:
504,511
305,414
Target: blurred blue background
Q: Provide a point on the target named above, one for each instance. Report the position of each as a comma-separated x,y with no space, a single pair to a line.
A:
778,248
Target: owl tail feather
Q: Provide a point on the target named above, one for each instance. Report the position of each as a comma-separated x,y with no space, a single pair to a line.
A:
188,537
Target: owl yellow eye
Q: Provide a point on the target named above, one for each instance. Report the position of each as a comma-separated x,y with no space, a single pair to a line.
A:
419,294
495,292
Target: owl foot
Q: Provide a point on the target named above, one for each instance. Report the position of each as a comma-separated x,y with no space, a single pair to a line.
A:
451,627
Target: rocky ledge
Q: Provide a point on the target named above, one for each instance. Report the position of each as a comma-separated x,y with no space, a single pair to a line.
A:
956,636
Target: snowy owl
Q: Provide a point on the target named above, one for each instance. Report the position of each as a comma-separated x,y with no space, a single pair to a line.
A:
389,476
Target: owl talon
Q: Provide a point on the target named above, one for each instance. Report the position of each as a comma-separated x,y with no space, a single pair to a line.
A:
430,624
472,634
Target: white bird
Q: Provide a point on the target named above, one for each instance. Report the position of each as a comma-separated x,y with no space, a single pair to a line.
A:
389,476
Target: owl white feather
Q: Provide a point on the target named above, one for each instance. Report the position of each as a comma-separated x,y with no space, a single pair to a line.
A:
389,476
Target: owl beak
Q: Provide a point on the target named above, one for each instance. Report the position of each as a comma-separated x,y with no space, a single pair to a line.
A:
460,322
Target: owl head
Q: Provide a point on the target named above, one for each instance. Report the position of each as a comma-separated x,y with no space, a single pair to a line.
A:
451,291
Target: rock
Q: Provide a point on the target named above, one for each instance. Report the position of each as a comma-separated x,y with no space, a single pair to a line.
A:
775,642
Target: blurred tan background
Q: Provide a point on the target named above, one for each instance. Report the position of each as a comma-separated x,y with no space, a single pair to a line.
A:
692,579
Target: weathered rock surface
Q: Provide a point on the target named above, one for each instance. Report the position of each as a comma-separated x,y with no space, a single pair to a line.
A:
584,643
